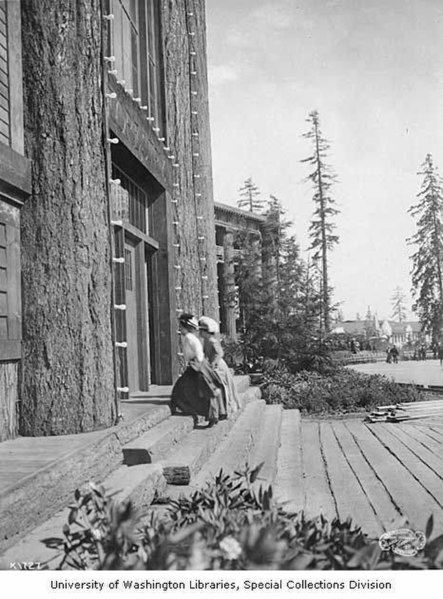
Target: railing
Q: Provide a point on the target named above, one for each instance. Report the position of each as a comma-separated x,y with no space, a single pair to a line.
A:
363,357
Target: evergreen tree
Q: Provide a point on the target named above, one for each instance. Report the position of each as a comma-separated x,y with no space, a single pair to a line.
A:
250,197
427,269
322,228
398,305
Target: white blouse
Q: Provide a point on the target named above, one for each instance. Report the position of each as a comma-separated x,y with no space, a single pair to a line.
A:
192,348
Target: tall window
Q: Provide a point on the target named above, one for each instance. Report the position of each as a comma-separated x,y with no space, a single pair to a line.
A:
154,71
127,43
137,200
136,45
10,299
4,77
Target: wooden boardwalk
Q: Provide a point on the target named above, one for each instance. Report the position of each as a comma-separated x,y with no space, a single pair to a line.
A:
377,474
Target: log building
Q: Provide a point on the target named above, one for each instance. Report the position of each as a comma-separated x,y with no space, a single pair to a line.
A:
106,193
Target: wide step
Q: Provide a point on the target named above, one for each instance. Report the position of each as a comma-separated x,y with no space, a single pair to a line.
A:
138,484
233,453
188,457
266,449
154,444
288,487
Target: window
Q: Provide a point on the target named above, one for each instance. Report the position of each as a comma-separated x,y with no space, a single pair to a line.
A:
128,270
137,212
126,43
136,45
5,136
10,299
154,72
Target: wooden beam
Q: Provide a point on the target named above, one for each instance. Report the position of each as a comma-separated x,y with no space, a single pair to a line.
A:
15,174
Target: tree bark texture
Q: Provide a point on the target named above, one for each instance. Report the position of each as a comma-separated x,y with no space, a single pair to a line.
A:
9,397
68,378
189,132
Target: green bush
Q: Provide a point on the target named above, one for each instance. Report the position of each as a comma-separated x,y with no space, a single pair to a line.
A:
229,525
341,391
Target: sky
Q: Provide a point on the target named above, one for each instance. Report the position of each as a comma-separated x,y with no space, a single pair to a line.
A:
374,71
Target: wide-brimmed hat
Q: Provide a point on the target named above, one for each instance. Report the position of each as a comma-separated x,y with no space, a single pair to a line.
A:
188,320
208,324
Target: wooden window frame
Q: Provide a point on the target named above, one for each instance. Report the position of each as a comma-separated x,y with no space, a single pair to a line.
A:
5,98
128,58
150,85
10,344
138,215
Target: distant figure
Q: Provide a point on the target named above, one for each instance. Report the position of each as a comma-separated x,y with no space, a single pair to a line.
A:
440,353
388,355
394,353
423,352
353,347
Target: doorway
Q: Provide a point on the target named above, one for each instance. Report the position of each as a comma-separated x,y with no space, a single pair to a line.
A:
133,333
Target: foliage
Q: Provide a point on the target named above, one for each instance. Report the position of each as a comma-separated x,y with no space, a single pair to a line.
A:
398,305
342,390
232,524
250,197
322,226
279,310
427,277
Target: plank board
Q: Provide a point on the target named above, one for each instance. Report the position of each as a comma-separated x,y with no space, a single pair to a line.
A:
417,468
350,498
426,455
378,495
409,494
318,495
289,486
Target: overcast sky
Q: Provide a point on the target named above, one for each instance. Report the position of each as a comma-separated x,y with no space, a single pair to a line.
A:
374,71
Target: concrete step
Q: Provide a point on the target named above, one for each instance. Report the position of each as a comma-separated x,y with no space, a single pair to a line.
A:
288,485
187,458
266,448
138,484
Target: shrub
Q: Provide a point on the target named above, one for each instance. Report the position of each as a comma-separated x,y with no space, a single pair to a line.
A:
226,526
341,391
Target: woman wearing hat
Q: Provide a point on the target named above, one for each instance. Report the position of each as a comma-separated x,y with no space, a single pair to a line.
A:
214,354
197,392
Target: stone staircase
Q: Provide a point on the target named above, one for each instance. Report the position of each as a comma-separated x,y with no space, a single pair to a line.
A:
165,458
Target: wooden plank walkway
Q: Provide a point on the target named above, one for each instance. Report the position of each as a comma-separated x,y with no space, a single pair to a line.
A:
381,475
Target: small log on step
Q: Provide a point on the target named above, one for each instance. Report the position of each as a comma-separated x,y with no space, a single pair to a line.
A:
177,475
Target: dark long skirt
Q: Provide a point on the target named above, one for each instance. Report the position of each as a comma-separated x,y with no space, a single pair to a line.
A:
198,393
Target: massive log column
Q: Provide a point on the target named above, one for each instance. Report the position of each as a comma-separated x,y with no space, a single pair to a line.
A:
67,378
229,300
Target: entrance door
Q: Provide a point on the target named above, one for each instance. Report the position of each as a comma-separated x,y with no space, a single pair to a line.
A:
132,311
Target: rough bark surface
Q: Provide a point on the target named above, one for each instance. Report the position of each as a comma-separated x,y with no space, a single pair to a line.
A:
188,115
68,380
9,399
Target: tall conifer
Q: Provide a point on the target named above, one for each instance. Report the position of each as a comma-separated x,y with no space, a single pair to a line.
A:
322,226
427,261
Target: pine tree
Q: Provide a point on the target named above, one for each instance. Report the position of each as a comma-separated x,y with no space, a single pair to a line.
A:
322,228
398,304
427,269
250,197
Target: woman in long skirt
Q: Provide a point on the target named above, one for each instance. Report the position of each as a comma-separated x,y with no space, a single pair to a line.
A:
197,392
214,354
